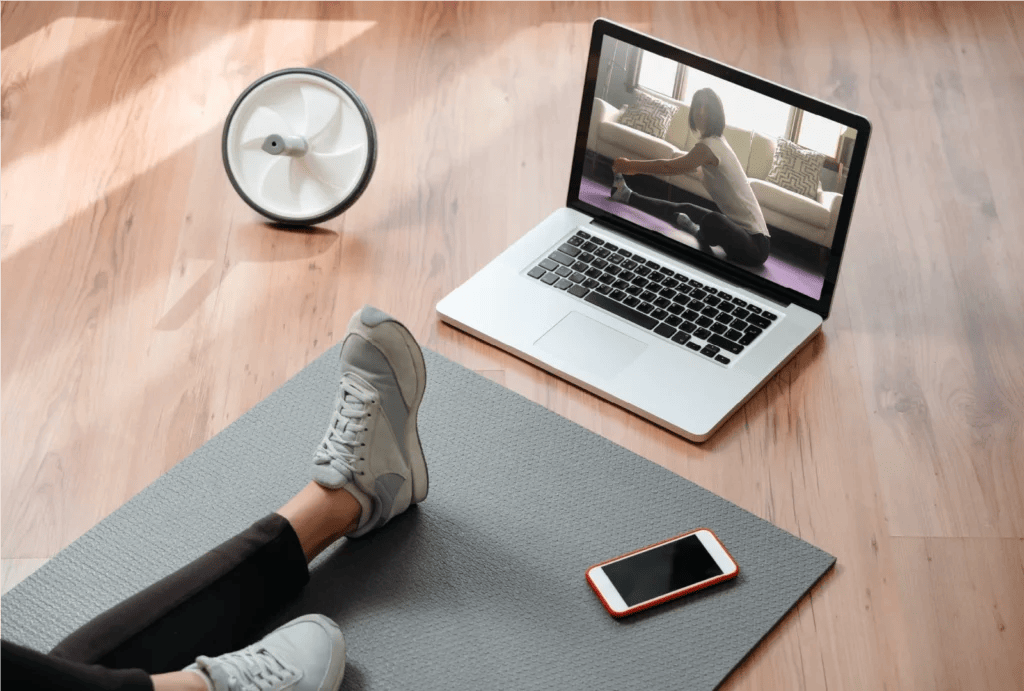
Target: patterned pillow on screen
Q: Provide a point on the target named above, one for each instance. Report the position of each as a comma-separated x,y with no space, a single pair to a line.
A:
649,115
796,169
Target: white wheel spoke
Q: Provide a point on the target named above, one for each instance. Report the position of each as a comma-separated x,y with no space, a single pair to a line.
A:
336,169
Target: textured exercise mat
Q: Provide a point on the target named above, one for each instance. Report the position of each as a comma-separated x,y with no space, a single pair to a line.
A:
482,585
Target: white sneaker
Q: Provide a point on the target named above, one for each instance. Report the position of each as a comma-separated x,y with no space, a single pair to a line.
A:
372,445
306,654
684,222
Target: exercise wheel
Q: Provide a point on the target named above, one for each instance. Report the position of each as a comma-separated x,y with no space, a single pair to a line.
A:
299,146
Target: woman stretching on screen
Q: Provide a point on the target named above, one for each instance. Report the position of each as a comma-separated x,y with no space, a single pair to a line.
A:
740,229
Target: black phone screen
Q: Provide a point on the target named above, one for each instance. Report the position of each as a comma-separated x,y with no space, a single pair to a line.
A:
662,570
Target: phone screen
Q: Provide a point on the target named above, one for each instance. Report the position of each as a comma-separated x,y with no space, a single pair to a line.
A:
662,570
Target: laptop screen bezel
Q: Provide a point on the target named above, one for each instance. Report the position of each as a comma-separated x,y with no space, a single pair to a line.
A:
736,274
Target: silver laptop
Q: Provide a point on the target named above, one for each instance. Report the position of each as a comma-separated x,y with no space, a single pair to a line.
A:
677,295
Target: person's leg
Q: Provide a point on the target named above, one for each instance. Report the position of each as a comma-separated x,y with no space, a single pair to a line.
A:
24,668
740,245
219,602
659,208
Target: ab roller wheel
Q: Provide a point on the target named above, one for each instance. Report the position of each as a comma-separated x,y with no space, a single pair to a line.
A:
299,146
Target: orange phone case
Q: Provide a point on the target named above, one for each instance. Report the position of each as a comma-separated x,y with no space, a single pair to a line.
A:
671,596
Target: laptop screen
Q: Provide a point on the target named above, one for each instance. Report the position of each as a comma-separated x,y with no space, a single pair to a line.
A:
712,159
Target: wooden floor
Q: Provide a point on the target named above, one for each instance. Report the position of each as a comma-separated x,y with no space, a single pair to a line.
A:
145,306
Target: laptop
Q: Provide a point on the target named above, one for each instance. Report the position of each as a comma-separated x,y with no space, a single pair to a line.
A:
679,319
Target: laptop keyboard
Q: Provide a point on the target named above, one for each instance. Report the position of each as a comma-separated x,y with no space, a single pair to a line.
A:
705,319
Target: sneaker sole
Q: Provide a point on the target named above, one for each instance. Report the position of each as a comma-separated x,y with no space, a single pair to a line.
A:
417,459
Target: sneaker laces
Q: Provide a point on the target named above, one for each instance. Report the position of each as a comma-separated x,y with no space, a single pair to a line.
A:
249,669
344,434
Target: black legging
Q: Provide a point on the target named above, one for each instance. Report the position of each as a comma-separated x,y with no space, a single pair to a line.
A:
218,603
740,245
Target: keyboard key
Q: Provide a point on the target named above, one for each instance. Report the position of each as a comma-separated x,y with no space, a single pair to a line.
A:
662,303
536,272
569,249
597,241
734,335
690,316
673,320
646,307
688,327
599,263
633,290
681,338
629,265
695,283
659,314
702,334
754,331
607,279
709,350
561,258
625,254
675,309
548,264
563,271
593,272
682,279
582,234
620,284
665,330
748,339
578,291
563,283
620,310
726,344
588,247
709,312
718,328
770,316
647,296
643,270
657,277
610,247
603,289
698,295
627,275
723,318
685,290
721,358
670,283
724,295
603,252
681,300
617,295
577,277
575,241
741,313
758,320
640,282
739,302
613,270
549,278
616,259
586,257
667,293
590,283
726,307
712,300
653,264
754,309
692,346
580,266
631,301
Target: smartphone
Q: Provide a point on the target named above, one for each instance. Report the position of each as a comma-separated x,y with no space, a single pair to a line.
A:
661,572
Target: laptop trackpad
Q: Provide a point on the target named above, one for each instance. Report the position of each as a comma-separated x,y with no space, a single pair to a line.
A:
600,349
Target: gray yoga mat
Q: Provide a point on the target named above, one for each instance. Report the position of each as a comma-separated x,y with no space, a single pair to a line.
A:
482,585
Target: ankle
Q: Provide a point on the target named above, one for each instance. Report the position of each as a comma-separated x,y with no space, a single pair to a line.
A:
185,680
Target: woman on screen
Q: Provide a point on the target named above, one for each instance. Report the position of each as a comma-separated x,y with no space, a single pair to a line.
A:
740,229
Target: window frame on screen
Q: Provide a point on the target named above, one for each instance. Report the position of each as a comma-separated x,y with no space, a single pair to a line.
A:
785,296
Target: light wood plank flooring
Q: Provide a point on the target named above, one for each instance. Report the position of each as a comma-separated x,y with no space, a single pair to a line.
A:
145,306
